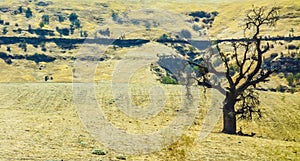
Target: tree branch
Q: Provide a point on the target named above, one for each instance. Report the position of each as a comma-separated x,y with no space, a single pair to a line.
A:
228,77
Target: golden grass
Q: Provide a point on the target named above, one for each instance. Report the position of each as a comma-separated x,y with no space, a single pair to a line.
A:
39,121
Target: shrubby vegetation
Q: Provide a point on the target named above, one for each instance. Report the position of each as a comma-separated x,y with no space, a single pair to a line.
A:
28,13
293,79
168,80
73,16
45,19
42,24
60,18
4,30
75,22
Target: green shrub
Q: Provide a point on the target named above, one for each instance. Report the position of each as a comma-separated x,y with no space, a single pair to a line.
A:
168,80
42,24
214,42
293,79
290,80
196,68
98,152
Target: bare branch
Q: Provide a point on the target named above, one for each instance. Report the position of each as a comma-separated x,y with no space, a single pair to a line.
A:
256,18
224,59
241,74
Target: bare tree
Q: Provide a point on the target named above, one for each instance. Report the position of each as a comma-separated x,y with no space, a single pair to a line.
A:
244,69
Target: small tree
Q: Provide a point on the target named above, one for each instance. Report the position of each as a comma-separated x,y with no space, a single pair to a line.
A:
8,49
115,16
20,9
4,30
45,19
42,24
61,18
30,29
77,23
72,17
28,13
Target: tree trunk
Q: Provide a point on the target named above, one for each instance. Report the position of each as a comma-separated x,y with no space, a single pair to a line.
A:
229,119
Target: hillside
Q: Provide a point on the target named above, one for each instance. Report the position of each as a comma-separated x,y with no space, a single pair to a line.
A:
55,69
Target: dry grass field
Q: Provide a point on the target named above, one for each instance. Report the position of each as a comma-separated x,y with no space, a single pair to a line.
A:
40,121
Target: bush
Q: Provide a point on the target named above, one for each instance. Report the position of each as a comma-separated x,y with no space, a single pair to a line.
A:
45,19
215,13
200,14
42,24
121,157
28,13
292,47
290,80
281,88
20,9
60,18
85,34
293,79
29,29
114,16
163,37
168,80
98,152
214,42
63,31
73,16
77,24
4,30
8,61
